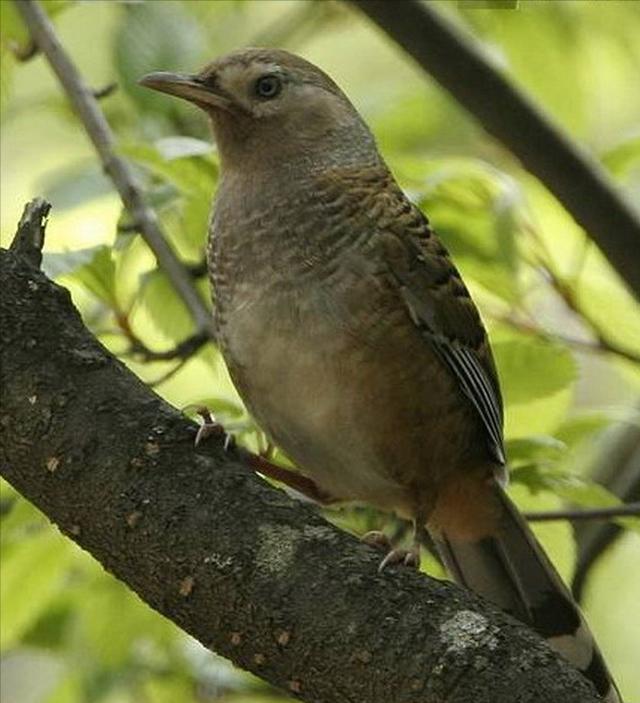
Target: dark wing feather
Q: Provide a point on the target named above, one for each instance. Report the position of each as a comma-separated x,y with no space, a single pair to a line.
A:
440,305
476,386
436,298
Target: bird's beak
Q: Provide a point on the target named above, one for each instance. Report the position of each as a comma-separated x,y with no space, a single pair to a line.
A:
188,87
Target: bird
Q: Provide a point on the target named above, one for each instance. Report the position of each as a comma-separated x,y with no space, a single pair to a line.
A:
352,338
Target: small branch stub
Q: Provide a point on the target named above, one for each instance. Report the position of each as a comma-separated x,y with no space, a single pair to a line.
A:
29,238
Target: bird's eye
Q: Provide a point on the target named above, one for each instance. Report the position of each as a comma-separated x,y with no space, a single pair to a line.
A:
268,87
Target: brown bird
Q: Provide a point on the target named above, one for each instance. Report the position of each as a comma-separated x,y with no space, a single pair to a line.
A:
352,338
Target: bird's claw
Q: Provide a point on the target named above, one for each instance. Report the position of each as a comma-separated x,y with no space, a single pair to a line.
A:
210,427
377,539
408,557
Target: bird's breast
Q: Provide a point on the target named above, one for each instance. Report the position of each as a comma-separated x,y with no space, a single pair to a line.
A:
327,359
352,406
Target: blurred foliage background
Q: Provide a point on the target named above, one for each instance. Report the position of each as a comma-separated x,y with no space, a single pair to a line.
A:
565,332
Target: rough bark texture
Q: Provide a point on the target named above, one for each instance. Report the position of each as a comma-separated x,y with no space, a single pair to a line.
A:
252,574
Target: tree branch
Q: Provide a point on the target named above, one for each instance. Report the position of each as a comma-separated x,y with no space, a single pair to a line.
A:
616,466
252,574
97,128
583,514
571,174
600,345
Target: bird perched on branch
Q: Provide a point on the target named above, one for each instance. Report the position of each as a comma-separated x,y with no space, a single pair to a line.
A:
352,338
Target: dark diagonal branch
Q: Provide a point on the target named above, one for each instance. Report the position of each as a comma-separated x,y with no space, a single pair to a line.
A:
571,174
182,351
616,466
586,514
252,574
95,124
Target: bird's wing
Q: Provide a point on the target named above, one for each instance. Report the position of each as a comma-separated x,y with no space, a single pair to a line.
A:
441,307
438,302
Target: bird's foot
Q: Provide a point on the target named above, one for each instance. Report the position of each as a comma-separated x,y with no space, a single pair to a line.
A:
408,557
377,539
261,464
210,427
394,555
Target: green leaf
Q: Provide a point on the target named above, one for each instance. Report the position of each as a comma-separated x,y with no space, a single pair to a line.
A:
7,68
177,147
74,184
111,642
474,209
98,277
19,521
580,427
534,449
155,36
556,536
94,268
188,166
12,29
573,489
56,264
167,312
68,690
623,157
170,688
32,576
192,173
186,222
612,308
50,630
530,369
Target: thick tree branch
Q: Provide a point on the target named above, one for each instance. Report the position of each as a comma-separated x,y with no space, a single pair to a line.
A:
252,574
571,174
95,124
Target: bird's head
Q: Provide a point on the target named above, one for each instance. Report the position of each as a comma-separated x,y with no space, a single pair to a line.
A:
270,104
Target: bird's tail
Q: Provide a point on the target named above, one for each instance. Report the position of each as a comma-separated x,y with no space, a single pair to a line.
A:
508,566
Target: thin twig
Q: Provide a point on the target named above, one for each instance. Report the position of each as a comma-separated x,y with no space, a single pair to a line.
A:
184,350
568,296
96,126
574,514
199,269
599,346
26,52
570,173
105,91
542,260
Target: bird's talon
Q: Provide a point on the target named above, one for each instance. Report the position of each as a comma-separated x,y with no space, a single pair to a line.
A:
377,539
412,560
210,427
407,557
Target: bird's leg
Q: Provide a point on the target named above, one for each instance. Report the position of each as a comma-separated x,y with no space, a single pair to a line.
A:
292,479
399,555
260,464
377,539
210,427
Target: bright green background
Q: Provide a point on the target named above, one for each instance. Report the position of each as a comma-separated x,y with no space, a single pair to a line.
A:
72,634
